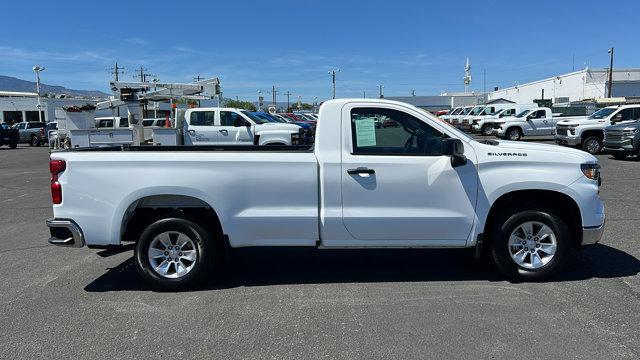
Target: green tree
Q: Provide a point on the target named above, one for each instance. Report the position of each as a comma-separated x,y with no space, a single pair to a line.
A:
239,104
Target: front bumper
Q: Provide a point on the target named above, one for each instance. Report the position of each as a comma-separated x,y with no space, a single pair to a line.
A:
65,232
567,140
618,147
592,235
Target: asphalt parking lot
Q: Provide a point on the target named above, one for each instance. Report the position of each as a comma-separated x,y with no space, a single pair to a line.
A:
305,304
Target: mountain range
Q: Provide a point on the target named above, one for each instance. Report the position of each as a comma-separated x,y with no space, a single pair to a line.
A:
9,83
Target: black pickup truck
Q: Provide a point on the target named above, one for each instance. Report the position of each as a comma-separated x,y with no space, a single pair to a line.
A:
8,136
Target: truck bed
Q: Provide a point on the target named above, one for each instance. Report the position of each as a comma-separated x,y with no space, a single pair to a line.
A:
173,148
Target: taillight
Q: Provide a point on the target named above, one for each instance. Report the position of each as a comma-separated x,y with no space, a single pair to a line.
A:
55,168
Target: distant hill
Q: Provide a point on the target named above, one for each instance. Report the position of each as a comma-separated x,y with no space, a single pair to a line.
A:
8,83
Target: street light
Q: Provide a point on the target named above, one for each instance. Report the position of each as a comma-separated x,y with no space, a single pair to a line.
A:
37,70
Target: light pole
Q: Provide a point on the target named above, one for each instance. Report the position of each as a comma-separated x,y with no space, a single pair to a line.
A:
610,72
37,70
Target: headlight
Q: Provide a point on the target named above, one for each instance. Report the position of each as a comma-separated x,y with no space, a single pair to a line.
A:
571,130
591,171
630,133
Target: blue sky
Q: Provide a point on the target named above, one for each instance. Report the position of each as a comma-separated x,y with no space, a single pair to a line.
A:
252,45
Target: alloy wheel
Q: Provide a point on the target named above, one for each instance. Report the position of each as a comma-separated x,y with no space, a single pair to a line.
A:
172,254
532,245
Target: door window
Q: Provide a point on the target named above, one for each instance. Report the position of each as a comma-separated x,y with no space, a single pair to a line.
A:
228,118
202,118
379,131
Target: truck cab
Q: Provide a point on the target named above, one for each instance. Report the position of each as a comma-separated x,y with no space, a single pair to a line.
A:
588,132
231,126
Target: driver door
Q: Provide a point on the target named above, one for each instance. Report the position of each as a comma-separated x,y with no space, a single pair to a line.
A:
396,184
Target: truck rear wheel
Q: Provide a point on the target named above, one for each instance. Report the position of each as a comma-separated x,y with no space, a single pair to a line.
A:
34,141
513,134
174,254
530,245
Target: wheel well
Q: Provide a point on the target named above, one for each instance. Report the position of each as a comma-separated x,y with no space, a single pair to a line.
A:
144,211
513,127
597,133
553,200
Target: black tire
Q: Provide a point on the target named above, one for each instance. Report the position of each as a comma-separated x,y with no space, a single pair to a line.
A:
513,134
592,144
13,145
500,250
205,254
619,156
486,130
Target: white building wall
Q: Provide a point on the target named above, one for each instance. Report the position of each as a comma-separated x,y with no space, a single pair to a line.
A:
576,86
28,103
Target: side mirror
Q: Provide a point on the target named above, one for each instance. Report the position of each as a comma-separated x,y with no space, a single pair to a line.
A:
455,149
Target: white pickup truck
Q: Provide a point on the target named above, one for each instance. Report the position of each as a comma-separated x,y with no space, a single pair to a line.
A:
230,126
422,184
532,122
587,132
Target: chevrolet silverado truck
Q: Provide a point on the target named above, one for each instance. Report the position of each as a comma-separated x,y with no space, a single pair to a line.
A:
588,132
230,126
622,140
532,122
422,184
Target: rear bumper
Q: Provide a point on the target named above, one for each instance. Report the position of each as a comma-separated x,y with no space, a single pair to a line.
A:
65,232
592,235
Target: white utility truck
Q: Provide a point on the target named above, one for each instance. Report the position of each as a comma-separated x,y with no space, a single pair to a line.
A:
533,122
422,184
229,126
587,132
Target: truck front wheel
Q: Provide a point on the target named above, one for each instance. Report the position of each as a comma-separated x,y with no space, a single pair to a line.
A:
174,254
530,245
487,129
592,145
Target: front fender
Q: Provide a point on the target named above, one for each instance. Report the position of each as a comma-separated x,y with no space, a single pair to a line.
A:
274,137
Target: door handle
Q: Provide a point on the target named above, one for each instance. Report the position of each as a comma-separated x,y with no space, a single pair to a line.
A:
223,131
361,170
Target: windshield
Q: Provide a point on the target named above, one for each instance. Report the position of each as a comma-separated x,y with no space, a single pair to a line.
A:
499,112
476,110
487,111
602,113
455,111
523,114
255,119
466,111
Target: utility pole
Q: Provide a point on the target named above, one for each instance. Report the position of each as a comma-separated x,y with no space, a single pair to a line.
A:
413,92
196,79
381,94
333,82
116,71
364,94
288,94
274,94
237,98
610,72
143,78
484,85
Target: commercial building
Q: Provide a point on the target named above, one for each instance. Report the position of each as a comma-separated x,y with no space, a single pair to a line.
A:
586,84
22,106
440,102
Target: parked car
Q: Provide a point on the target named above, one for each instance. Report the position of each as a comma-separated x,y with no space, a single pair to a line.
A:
484,124
32,132
230,126
622,140
454,111
424,185
309,128
588,132
9,136
455,119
